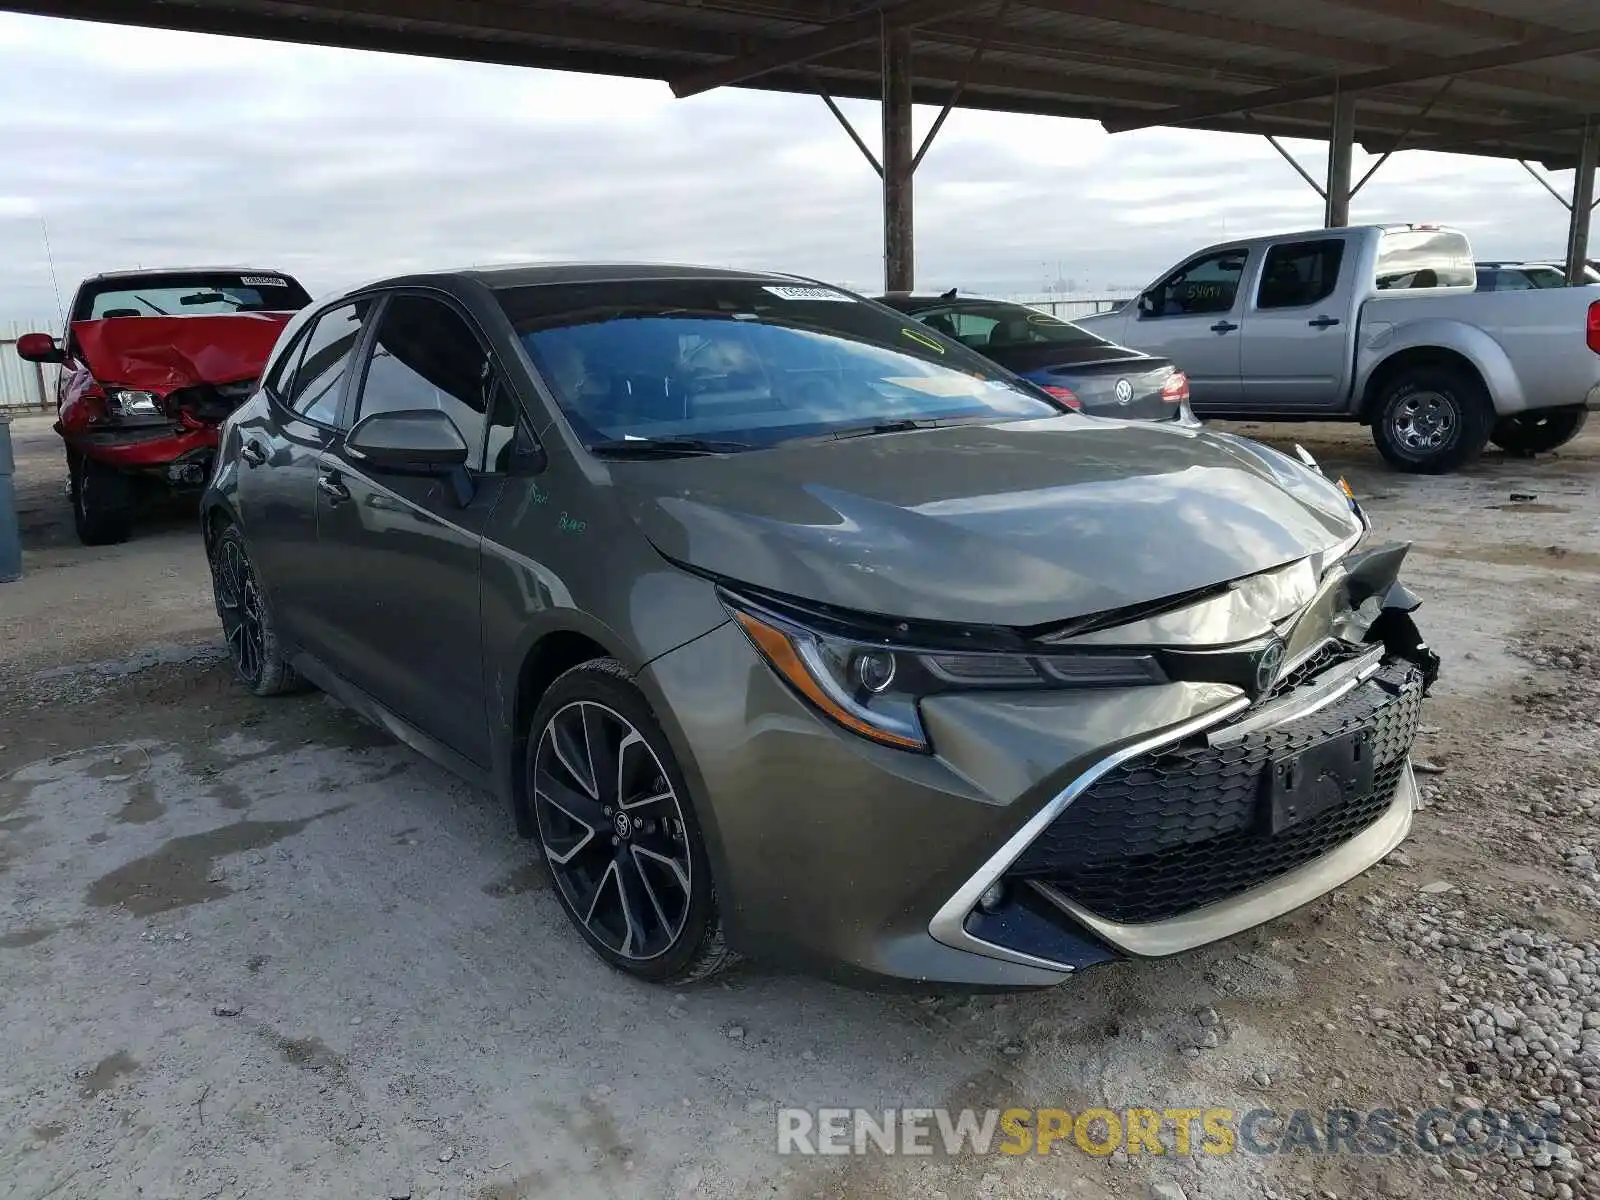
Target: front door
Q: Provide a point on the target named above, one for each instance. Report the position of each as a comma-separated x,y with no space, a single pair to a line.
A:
409,631
1195,317
1298,343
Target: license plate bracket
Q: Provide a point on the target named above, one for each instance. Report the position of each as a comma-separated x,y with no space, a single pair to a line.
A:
1310,782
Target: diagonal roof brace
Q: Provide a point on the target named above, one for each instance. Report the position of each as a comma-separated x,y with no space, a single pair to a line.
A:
796,51
1561,46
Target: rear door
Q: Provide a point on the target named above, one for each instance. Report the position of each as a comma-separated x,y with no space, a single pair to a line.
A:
279,452
1195,318
1296,341
406,622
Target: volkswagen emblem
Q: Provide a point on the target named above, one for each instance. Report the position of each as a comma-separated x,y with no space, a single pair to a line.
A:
1124,391
1268,663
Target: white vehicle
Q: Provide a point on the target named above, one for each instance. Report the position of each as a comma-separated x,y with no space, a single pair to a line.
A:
1377,324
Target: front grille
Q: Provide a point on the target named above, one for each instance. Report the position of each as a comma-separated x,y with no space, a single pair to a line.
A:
1183,827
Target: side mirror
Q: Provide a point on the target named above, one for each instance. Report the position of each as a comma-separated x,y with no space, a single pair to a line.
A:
417,442
1147,304
39,348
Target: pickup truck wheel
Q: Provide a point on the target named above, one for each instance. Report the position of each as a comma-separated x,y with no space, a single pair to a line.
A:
1537,432
247,622
102,502
1432,420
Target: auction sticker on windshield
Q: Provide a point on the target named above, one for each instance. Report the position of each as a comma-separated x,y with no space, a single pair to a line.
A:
785,292
262,281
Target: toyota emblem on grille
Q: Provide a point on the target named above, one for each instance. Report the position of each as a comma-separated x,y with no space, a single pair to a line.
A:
1124,391
1268,664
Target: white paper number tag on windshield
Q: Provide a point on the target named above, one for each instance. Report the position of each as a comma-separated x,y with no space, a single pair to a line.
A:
261,281
785,292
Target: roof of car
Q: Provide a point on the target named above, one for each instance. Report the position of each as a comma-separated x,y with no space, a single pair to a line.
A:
920,298
534,274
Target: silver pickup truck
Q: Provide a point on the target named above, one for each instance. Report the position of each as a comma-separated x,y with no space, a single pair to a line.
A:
1378,324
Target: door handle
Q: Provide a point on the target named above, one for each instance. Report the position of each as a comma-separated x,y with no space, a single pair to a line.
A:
1323,322
328,484
1224,327
252,453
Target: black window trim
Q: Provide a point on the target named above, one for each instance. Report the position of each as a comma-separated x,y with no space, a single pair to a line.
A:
350,404
281,406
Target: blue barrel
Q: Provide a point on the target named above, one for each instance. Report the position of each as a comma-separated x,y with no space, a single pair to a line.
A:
10,535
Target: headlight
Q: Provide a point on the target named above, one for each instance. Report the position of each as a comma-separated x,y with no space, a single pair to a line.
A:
872,686
126,403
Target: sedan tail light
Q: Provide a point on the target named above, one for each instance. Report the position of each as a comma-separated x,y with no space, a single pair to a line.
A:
1070,398
1593,336
1176,389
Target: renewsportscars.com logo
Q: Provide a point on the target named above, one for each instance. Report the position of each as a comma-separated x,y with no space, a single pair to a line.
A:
1177,1131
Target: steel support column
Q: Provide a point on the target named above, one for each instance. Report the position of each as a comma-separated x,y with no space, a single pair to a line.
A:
899,153
1341,143
1582,203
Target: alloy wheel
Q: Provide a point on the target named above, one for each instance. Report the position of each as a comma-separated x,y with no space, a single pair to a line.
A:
1423,422
612,830
239,605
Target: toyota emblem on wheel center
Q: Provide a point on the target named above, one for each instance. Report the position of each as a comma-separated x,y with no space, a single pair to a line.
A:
1124,391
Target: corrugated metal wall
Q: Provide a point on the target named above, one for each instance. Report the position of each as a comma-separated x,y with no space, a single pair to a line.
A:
19,381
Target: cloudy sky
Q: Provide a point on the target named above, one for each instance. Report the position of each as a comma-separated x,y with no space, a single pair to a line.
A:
145,148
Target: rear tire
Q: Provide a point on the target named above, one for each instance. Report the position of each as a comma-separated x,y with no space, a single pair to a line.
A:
247,622
618,831
1432,420
1530,433
102,502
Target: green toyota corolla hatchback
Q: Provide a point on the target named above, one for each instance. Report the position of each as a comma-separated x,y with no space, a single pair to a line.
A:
786,626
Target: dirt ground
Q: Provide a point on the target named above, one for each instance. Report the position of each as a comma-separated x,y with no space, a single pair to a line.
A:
255,948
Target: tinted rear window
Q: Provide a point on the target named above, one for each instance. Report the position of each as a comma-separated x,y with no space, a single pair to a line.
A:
1424,258
1000,325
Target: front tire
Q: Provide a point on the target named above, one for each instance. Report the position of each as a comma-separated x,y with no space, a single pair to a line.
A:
1530,433
618,832
1432,420
247,623
102,502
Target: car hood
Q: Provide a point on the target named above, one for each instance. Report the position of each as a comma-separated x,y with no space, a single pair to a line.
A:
161,354
1018,523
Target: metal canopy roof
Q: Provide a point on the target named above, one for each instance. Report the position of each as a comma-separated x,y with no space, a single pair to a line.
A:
1510,78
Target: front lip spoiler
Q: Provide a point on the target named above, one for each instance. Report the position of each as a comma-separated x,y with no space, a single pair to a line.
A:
1249,909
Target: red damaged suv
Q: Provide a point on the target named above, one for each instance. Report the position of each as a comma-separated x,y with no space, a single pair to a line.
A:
152,363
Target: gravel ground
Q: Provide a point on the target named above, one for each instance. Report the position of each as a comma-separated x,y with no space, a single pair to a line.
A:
257,948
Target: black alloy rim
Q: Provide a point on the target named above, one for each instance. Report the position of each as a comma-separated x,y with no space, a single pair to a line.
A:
612,830
239,603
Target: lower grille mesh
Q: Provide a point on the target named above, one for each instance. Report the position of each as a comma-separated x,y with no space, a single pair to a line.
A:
1180,828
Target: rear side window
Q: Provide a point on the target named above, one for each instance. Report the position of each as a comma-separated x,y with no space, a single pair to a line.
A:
1297,274
1208,284
425,355
1424,258
312,389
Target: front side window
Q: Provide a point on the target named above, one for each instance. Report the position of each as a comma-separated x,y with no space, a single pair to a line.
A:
1206,285
1299,274
312,389
426,356
748,360
986,324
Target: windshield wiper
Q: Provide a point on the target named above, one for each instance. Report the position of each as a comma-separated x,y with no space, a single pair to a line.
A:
666,447
160,312
905,425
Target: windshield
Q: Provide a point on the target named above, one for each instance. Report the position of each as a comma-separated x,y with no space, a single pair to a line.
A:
748,361
206,293
997,325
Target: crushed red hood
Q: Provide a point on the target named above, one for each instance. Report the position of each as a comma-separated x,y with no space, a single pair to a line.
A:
161,354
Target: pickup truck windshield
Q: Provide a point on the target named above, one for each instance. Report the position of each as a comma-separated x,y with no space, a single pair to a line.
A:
1424,258
205,293
750,361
